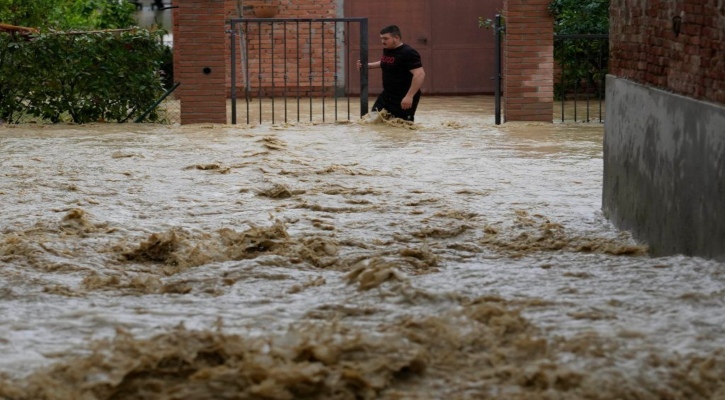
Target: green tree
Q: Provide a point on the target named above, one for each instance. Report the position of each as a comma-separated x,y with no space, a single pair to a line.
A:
580,16
68,14
583,61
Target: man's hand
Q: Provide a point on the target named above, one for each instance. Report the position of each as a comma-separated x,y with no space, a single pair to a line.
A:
415,85
407,102
370,65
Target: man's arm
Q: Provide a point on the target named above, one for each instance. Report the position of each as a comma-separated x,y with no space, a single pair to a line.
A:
373,65
415,85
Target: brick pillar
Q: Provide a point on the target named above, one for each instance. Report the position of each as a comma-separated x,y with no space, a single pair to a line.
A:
528,61
200,62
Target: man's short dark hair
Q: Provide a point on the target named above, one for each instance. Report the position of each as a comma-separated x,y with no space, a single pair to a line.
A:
393,30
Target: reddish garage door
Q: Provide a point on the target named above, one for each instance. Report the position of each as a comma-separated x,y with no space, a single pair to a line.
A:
458,56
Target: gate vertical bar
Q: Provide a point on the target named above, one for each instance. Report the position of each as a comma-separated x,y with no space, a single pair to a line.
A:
586,94
497,41
234,73
259,72
322,34
309,36
347,65
601,87
576,81
272,58
563,81
298,70
286,76
335,88
364,69
247,80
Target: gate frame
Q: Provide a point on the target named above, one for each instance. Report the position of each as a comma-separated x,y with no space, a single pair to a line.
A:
363,54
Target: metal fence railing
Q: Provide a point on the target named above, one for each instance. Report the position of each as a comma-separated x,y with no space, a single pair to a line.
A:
581,66
580,76
285,62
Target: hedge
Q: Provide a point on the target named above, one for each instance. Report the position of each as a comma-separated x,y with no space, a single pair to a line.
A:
80,76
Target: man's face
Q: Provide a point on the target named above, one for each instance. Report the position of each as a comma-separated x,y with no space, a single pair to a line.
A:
389,41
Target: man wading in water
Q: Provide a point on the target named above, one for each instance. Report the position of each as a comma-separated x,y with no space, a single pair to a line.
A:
403,75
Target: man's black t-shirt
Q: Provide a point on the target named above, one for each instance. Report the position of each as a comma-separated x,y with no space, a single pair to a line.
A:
396,65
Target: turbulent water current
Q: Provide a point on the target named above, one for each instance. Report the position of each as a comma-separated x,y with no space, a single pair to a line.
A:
455,260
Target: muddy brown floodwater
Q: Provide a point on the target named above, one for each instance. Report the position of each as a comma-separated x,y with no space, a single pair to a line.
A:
456,260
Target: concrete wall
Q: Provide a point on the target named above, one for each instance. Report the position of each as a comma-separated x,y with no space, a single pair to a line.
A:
664,147
664,169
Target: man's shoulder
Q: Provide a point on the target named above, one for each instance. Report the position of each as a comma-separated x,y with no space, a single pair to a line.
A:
406,48
411,55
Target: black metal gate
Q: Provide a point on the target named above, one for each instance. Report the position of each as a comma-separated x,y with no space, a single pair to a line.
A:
296,60
498,30
582,65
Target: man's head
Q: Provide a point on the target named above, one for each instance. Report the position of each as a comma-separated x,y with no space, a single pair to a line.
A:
390,37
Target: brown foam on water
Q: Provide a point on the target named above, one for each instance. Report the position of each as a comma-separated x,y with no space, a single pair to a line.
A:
216,167
137,284
479,349
334,209
335,190
536,233
345,170
177,250
273,143
319,281
384,117
77,222
442,233
372,273
44,246
275,191
453,125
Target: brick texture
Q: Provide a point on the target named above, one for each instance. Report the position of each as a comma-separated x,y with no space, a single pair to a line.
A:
528,61
646,49
289,57
304,61
199,60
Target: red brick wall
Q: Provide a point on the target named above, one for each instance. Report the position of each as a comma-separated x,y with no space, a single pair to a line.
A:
645,49
201,41
199,37
299,44
528,61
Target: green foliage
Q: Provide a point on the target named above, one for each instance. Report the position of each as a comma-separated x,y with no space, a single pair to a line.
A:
580,16
68,14
485,23
81,77
584,61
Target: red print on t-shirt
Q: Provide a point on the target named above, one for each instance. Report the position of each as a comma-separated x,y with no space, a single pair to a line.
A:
387,60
